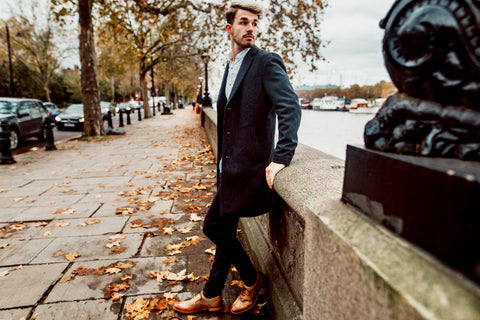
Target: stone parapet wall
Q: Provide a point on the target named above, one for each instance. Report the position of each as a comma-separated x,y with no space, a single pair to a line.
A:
325,260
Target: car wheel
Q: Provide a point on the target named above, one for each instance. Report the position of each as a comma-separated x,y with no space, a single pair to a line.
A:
13,139
41,136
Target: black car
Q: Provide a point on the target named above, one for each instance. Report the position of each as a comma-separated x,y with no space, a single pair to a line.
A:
72,118
52,108
26,118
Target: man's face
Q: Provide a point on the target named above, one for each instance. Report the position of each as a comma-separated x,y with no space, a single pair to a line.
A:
243,31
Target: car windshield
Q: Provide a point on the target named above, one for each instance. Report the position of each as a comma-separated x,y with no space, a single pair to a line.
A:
75,108
7,107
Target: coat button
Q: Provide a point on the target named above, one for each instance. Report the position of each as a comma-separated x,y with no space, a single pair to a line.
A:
228,132
229,109
227,157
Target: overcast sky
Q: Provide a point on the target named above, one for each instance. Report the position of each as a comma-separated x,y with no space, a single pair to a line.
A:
354,54
355,51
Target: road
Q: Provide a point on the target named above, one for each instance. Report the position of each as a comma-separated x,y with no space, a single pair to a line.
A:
32,144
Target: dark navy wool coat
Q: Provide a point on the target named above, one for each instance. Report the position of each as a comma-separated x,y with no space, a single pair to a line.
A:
246,132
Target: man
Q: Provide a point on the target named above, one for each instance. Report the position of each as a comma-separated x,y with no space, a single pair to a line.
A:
255,90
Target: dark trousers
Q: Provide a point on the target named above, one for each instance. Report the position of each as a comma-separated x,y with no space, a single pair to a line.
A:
223,232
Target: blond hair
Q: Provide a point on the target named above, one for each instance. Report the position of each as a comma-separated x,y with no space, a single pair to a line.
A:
248,5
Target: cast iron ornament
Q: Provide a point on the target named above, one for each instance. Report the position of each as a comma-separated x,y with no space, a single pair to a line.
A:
431,50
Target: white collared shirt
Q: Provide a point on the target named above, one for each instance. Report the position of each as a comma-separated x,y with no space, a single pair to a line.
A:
233,68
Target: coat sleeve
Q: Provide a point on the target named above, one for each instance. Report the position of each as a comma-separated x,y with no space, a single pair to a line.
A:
285,103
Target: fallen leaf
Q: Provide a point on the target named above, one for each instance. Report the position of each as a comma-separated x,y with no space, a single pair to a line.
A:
72,256
169,295
118,250
62,225
211,251
40,224
125,211
67,278
4,273
90,222
4,245
113,244
184,230
168,230
195,218
125,265
171,260
118,236
136,224
82,271
47,233
67,210
58,254
113,270
127,277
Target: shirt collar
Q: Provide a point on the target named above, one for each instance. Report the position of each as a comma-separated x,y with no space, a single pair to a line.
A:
239,56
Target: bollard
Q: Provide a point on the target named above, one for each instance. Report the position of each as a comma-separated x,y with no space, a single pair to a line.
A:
120,118
109,119
128,117
6,157
153,108
49,125
140,114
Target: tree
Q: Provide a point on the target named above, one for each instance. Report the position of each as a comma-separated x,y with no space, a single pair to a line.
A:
152,39
93,125
290,27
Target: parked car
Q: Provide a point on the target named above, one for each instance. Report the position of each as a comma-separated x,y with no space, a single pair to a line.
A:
72,118
107,106
26,118
125,106
52,108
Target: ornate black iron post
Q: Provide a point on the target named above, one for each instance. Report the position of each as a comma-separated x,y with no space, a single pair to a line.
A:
6,150
120,118
207,101
49,125
128,117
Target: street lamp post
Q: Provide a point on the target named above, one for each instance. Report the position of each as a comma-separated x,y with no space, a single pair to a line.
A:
199,95
207,101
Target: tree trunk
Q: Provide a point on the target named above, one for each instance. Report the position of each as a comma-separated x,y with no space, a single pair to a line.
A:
93,125
46,90
143,87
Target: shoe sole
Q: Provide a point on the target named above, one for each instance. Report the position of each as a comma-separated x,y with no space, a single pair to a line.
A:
197,311
261,291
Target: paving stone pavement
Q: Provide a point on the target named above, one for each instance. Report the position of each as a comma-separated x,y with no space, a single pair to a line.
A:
89,229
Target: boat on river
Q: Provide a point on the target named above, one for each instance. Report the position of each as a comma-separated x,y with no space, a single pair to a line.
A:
362,106
328,103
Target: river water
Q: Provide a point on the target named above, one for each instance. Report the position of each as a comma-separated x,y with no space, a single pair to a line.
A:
331,131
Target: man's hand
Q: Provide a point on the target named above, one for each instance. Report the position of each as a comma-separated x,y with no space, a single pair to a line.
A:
271,171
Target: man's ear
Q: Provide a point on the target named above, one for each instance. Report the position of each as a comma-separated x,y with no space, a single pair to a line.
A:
228,27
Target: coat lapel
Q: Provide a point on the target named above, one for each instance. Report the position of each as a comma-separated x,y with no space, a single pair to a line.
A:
221,99
247,61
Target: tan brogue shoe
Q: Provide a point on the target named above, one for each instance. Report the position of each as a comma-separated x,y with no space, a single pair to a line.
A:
199,303
249,296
